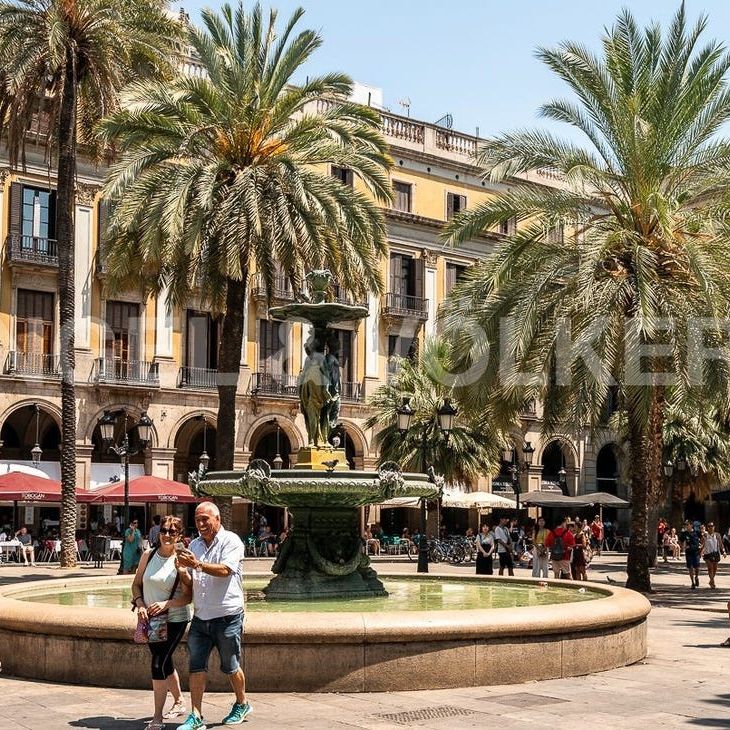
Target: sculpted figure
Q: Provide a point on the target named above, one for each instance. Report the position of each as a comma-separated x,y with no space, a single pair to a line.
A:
314,393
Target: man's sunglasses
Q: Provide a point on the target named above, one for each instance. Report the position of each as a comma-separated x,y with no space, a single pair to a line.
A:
168,531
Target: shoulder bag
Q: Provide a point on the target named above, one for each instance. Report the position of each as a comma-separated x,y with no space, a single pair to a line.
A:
153,629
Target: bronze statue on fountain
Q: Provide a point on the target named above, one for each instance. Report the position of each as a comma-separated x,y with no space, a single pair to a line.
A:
324,556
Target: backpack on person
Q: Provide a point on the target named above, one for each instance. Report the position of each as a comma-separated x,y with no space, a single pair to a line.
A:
557,552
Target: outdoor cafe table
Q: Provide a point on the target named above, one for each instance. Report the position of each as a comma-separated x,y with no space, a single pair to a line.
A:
8,548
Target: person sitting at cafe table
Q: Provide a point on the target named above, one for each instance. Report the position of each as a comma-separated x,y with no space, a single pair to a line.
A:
26,542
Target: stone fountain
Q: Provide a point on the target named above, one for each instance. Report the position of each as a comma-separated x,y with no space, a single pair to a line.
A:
323,557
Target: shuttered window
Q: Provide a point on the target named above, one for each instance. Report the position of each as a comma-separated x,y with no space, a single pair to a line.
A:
455,204
454,274
202,340
343,174
272,347
122,331
34,322
403,196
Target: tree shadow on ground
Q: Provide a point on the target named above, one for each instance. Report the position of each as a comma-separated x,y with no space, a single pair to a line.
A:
104,722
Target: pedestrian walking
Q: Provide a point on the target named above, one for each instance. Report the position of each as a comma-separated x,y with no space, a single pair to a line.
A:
132,550
163,588
560,543
485,549
690,537
712,548
216,560
154,533
597,534
540,558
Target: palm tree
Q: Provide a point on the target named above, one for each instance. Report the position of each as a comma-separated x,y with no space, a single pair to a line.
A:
697,442
643,205
68,59
474,445
230,170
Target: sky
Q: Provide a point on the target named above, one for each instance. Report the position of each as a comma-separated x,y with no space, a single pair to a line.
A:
473,59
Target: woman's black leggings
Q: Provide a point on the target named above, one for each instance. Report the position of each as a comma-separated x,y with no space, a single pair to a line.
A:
162,651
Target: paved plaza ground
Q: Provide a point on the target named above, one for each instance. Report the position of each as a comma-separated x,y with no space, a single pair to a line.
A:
684,681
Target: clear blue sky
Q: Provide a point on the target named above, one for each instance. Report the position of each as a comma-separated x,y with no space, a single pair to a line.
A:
473,59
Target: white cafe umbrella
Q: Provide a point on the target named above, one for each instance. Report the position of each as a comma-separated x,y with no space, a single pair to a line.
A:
476,500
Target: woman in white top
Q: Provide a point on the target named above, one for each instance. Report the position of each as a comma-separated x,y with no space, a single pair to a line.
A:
152,595
711,550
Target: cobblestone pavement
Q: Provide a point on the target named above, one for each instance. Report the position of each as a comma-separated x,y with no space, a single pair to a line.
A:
684,681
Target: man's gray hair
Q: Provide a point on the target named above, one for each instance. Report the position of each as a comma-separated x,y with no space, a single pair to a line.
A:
211,507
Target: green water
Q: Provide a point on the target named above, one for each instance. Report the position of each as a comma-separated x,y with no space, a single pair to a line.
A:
405,595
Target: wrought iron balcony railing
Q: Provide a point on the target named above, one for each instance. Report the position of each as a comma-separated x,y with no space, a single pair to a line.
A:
115,370
270,384
282,288
405,305
203,378
351,391
32,249
36,364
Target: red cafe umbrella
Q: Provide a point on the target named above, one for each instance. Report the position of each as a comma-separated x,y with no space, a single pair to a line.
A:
16,486
146,489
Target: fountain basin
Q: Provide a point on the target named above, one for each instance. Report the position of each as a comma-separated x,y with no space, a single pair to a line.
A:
346,651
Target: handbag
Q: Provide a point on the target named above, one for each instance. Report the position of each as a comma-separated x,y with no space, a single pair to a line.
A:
153,629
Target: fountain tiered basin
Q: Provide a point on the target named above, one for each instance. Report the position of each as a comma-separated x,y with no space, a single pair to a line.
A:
430,632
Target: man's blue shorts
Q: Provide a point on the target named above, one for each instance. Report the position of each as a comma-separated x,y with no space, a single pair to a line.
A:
223,633
692,558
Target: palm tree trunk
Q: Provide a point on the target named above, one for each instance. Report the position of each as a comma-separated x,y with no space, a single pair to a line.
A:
646,488
66,293
229,362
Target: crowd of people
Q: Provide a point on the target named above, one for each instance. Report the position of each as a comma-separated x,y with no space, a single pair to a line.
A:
568,547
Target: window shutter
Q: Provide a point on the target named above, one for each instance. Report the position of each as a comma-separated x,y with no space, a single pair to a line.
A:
395,273
16,209
103,219
420,266
52,214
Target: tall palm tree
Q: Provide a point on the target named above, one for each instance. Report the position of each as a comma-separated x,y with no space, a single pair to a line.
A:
474,444
230,170
68,59
644,206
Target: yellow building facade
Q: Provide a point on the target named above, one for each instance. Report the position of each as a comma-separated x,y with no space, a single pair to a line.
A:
133,354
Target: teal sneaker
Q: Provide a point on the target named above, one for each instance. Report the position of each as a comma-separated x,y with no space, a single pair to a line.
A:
192,723
238,713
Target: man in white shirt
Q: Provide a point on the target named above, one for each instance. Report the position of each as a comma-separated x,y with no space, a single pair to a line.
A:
216,559
504,546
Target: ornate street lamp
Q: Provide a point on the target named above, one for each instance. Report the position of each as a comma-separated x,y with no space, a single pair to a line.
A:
124,451
668,469
278,462
36,452
204,458
444,421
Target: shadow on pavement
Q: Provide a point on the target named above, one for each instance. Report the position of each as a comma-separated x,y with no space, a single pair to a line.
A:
104,722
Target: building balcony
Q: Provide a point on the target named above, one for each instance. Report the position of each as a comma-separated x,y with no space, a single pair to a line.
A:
529,409
116,371
32,364
344,297
282,291
351,392
31,250
269,384
201,378
404,306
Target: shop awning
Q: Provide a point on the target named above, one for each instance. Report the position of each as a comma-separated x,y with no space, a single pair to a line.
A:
476,500
16,486
146,489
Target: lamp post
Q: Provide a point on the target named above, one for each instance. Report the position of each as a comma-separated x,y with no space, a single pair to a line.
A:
510,457
36,452
444,421
204,458
124,451
278,462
